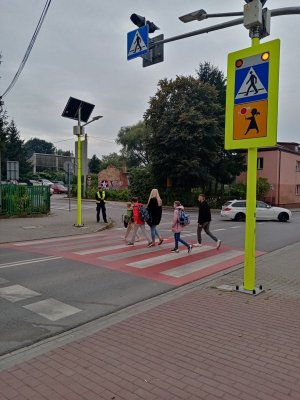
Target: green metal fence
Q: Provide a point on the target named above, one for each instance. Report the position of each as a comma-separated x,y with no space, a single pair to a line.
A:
24,200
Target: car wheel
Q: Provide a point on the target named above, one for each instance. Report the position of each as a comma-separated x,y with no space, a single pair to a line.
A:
283,217
240,217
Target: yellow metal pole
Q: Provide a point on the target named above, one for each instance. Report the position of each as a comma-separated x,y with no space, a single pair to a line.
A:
79,181
250,233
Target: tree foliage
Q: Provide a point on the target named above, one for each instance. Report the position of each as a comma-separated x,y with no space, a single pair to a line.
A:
185,122
132,139
94,164
36,145
15,150
212,75
112,159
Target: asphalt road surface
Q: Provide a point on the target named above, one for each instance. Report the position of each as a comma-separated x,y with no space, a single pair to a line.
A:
52,285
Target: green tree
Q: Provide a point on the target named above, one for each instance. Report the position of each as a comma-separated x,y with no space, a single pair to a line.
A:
66,153
132,139
212,75
229,164
15,150
185,122
3,134
94,165
112,159
36,145
262,188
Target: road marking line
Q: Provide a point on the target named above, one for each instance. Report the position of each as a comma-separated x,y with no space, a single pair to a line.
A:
52,309
165,257
217,230
31,261
60,239
235,227
135,252
15,293
101,249
195,266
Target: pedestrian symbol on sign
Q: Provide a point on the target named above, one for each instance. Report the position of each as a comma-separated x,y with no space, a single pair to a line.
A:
251,86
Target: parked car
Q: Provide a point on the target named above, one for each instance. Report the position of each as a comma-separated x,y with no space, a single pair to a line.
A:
236,209
59,183
45,182
59,188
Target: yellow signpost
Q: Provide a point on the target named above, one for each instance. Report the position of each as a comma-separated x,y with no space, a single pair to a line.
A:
251,122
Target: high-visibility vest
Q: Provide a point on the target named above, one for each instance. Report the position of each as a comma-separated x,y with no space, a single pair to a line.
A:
101,197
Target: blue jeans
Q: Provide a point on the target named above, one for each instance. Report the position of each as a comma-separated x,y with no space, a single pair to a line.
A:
154,232
178,239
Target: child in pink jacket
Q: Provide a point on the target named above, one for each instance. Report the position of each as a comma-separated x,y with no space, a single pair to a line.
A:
177,228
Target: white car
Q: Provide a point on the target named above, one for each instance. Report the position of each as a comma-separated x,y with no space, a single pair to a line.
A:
45,182
236,209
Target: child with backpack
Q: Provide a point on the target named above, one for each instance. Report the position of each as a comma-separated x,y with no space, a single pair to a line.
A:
180,220
128,220
139,217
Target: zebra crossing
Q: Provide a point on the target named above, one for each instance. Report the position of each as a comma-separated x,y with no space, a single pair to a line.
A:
107,250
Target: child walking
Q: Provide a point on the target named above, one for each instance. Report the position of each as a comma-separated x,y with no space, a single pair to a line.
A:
128,219
177,228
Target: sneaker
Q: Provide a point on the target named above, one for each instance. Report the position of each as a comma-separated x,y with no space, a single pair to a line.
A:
150,244
160,241
130,244
174,251
218,244
190,248
197,245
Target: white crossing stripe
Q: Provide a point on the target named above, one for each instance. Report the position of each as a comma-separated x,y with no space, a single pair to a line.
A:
165,257
201,264
52,309
30,261
101,249
135,252
16,293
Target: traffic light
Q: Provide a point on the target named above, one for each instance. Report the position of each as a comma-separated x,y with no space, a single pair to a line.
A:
263,2
140,21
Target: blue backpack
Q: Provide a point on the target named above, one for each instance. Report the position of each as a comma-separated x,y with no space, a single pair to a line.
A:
183,218
144,214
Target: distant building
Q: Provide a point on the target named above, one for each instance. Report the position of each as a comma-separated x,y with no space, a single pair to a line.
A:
53,162
281,166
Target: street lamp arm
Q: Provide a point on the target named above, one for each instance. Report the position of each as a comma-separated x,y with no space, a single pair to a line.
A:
93,119
227,14
228,24
285,11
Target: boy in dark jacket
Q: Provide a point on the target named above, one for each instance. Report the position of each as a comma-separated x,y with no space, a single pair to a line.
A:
204,219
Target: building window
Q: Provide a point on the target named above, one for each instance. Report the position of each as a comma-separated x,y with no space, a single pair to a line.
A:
260,163
297,190
298,166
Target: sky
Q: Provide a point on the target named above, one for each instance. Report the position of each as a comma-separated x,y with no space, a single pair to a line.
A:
81,51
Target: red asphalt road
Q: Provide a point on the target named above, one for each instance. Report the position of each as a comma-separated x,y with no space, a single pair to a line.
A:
108,243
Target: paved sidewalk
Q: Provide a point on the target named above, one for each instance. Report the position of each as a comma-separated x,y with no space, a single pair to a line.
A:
196,342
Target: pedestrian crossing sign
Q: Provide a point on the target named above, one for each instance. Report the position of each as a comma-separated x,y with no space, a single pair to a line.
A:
137,42
252,96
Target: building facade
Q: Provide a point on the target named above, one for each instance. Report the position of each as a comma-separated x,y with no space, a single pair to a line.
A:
281,166
53,162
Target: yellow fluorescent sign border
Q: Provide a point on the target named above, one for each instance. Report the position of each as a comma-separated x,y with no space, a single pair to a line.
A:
273,47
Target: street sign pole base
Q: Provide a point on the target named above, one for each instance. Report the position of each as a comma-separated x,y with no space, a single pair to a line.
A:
256,291
79,226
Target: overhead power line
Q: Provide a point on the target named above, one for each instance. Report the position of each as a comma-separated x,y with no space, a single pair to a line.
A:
32,41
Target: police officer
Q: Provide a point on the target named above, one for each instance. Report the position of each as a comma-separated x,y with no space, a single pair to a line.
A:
100,202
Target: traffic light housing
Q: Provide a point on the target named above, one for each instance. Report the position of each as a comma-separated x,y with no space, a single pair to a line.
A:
140,21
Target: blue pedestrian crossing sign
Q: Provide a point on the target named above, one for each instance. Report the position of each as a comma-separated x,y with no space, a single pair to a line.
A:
137,42
251,81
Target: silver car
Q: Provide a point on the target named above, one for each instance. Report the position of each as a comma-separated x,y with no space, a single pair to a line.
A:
236,209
